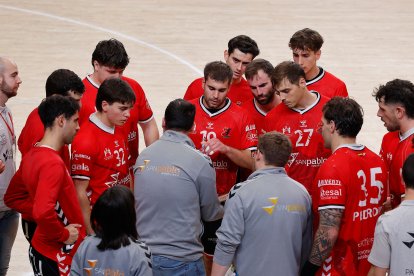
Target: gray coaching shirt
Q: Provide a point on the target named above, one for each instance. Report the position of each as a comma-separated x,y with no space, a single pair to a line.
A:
175,187
267,225
394,239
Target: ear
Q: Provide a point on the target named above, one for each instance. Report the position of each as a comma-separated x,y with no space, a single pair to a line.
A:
226,55
399,112
163,123
332,127
302,82
105,106
60,120
95,65
318,54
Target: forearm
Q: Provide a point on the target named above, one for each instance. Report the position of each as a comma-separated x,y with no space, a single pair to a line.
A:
241,158
86,212
150,131
219,270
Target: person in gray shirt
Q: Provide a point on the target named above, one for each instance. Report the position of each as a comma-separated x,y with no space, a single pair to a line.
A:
174,190
267,224
115,250
393,251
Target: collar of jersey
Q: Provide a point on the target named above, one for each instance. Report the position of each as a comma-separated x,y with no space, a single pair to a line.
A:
92,82
318,98
176,136
317,78
95,120
405,135
273,170
351,146
219,111
258,107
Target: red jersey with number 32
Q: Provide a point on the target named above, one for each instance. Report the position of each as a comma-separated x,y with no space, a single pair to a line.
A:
353,179
140,113
232,126
238,92
100,155
302,127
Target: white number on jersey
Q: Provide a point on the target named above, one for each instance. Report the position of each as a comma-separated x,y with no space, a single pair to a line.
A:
301,137
373,183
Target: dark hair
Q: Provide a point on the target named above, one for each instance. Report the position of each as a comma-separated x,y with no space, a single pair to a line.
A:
347,115
275,147
114,90
289,70
218,71
256,65
408,172
61,81
113,218
111,53
245,45
397,92
179,115
306,39
54,106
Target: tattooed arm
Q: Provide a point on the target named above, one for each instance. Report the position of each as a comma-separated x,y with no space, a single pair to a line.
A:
325,239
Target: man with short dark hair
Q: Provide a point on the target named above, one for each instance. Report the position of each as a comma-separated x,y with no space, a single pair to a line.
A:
175,189
267,225
298,117
348,193
109,60
306,47
396,110
9,219
99,150
52,196
240,52
392,250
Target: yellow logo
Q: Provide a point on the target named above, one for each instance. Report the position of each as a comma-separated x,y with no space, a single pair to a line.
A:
92,264
271,208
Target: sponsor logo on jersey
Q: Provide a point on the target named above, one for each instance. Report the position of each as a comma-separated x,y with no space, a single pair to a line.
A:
313,162
132,136
286,130
107,154
209,125
80,167
116,142
250,127
329,182
220,165
76,155
409,244
226,132
8,155
330,194
252,136
303,123
292,158
165,170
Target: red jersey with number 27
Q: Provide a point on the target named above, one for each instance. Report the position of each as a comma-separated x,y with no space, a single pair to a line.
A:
302,127
100,155
353,179
232,126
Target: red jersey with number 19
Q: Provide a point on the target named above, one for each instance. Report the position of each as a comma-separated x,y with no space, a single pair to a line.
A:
232,126
302,127
353,179
140,113
238,92
100,155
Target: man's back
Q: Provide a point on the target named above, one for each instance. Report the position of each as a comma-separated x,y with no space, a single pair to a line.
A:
174,190
353,179
268,220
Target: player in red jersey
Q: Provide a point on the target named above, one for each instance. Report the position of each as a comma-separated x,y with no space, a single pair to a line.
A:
306,48
298,118
259,76
99,150
61,82
241,51
51,197
396,109
109,60
349,191
226,133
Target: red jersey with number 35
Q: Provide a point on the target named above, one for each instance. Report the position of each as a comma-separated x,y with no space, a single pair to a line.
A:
354,179
302,127
100,155
140,113
238,92
233,127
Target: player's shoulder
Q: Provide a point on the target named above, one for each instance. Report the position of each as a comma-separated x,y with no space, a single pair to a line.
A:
333,78
196,83
237,188
136,87
198,156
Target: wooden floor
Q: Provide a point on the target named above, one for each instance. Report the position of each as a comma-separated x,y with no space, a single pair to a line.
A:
169,42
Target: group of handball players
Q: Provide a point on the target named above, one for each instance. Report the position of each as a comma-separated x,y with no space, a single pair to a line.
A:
257,171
